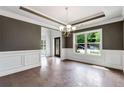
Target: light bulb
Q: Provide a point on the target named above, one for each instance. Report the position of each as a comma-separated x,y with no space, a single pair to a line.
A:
61,28
73,28
68,26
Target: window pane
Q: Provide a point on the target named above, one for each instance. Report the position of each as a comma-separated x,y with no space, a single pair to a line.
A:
44,42
93,49
41,42
44,47
93,37
80,48
41,46
80,38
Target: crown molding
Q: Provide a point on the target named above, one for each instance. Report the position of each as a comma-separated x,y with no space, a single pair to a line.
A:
117,19
25,19
34,12
89,18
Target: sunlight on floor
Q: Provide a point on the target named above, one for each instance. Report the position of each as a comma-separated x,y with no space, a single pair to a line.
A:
94,77
57,61
44,63
99,67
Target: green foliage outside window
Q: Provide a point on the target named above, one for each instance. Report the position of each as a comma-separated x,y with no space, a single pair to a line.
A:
80,38
93,37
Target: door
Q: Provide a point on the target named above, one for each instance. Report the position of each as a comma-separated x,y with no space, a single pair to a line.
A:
57,46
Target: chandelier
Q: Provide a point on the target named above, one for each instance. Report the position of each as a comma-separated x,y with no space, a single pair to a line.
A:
68,28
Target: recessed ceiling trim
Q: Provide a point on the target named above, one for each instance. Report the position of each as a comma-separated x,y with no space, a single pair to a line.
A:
89,18
40,15
50,28
22,18
104,22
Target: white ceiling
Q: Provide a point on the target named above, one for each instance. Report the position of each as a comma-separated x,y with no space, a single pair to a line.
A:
77,12
59,13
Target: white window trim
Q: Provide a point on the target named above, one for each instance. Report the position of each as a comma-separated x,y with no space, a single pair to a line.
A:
88,31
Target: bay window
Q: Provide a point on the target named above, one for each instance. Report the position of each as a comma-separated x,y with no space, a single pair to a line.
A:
89,42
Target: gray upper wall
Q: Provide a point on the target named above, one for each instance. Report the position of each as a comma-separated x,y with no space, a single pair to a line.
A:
112,36
18,35
0,33
123,34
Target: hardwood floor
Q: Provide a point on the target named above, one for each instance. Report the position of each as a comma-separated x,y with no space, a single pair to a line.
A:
55,73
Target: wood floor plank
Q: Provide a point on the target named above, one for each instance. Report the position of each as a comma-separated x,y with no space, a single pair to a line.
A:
57,73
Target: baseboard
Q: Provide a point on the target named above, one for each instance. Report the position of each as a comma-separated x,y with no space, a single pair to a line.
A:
92,64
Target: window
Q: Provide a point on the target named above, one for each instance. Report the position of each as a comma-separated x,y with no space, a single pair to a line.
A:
43,44
89,42
80,43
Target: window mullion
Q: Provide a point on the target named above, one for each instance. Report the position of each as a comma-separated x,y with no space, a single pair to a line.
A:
85,43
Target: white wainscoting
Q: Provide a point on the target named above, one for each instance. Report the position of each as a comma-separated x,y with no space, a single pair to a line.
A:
63,54
15,61
109,58
123,60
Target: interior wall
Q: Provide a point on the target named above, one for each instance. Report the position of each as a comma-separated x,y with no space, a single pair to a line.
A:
18,35
0,35
49,35
46,35
55,34
112,35
123,34
111,55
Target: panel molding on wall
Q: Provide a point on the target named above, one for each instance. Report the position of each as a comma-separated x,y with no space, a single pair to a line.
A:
109,58
16,61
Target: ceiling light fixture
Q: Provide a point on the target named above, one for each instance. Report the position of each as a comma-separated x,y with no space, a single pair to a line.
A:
68,28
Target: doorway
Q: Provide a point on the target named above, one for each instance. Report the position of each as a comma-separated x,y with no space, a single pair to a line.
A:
57,46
